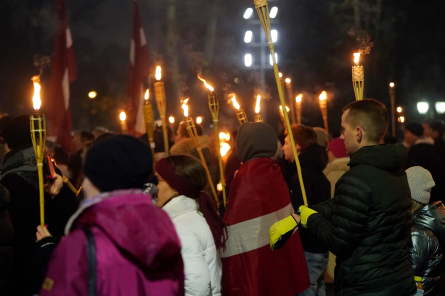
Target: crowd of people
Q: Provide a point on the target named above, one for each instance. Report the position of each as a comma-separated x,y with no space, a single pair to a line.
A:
120,220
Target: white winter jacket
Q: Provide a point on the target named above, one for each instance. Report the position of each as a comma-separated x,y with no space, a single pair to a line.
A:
202,264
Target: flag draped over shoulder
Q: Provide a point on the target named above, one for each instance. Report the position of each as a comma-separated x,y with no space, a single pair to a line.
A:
63,72
258,198
139,67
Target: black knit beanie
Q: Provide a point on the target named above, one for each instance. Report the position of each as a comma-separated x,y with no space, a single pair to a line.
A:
17,132
256,140
120,162
415,128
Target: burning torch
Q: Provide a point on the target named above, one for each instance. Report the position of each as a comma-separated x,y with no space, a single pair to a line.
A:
149,120
258,117
240,114
161,101
358,78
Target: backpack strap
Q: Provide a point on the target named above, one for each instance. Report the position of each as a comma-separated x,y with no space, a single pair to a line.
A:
91,253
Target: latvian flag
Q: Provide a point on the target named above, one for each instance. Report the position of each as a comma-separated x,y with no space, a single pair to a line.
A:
63,72
258,198
139,68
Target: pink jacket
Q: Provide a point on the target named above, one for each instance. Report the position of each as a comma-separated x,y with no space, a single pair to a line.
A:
137,249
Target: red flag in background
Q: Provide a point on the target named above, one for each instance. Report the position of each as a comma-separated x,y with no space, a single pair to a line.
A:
63,72
138,70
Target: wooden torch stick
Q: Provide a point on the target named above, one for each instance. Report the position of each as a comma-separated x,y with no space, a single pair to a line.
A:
191,129
262,9
38,136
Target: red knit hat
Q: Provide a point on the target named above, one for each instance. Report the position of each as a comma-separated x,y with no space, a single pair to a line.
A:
337,147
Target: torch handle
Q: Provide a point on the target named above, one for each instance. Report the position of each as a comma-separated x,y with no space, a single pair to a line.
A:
165,132
41,194
221,168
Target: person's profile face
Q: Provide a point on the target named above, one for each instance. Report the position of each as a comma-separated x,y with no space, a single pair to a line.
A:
349,135
287,149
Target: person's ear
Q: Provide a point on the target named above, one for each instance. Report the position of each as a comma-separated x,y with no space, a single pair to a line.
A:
298,147
358,134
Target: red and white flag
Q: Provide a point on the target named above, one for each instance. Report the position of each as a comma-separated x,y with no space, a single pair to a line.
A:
258,198
63,72
139,68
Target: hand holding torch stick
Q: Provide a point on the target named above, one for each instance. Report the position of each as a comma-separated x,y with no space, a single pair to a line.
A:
262,9
149,120
161,101
191,129
358,78
324,113
240,114
258,117
298,99
38,136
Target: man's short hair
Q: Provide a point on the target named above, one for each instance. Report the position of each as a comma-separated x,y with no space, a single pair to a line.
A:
371,115
86,136
304,136
437,126
183,130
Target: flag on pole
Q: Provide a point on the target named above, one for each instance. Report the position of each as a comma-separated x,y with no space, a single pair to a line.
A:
63,72
139,67
258,198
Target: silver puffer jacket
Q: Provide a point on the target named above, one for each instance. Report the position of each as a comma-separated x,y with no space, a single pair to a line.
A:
428,242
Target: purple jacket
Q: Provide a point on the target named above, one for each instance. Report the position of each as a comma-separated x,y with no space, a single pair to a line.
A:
138,250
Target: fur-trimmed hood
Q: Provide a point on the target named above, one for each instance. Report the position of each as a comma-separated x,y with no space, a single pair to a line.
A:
338,164
187,146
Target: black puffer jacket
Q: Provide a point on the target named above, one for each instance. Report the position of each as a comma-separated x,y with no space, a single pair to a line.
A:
6,236
367,224
428,239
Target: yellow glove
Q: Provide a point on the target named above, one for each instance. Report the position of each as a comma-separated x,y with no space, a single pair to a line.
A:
305,212
281,231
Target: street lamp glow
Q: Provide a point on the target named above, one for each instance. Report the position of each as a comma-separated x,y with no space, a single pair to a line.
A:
423,107
199,120
248,36
248,60
248,13
273,12
274,34
276,59
440,107
399,109
92,94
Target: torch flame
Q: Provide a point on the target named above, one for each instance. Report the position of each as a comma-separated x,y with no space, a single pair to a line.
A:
158,73
356,57
287,108
123,116
147,94
36,98
235,103
323,96
280,74
224,149
206,84
185,101
299,98
258,101
186,110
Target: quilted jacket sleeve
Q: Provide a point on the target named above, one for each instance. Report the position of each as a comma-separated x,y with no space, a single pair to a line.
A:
344,230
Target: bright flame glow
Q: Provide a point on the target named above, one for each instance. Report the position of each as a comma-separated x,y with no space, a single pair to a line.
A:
280,74
147,94
391,84
287,80
287,108
323,96
36,98
440,107
122,116
258,101
219,186
248,36
186,110
423,107
274,35
224,136
248,60
199,120
171,119
299,98
158,73
92,94
224,149
356,57
248,13
402,119
185,101
399,109
235,103
273,12
205,83
276,59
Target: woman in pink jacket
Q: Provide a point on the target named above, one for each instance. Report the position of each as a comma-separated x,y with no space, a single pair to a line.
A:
137,250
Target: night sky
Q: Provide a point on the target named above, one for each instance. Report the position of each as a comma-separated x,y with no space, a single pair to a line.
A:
314,47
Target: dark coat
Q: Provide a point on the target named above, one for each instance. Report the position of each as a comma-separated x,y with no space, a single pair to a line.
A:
317,187
426,156
6,236
25,217
426,251
367,224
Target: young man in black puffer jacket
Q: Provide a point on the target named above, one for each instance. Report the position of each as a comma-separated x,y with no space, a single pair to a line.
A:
367,223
